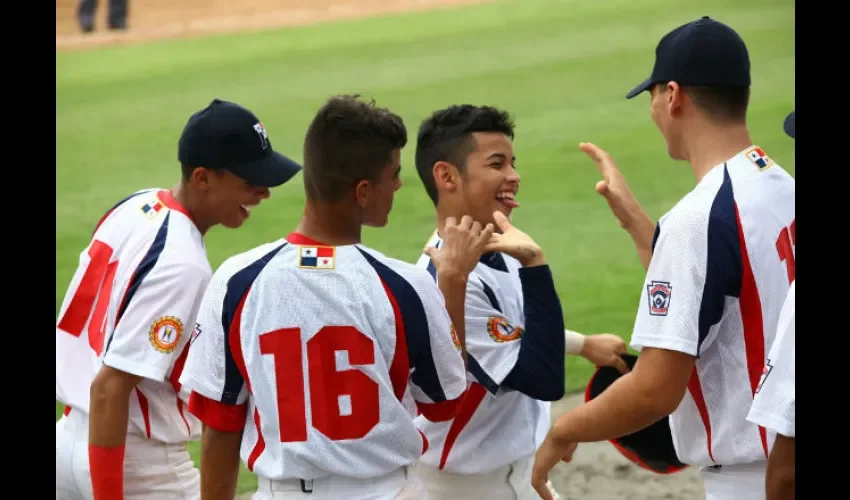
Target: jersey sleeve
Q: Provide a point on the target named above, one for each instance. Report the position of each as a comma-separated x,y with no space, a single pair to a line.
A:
155,319
774,401
492,339
696,263
219,393
438,376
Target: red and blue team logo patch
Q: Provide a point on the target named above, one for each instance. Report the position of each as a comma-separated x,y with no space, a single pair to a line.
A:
759,158
152,208
659,297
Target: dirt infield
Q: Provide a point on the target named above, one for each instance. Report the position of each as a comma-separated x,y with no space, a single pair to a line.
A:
159,19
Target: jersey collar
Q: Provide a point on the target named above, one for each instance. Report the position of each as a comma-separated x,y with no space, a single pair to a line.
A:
300,239
168,200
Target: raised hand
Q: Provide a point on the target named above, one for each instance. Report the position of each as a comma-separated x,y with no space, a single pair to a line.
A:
462,246
613,186
515,243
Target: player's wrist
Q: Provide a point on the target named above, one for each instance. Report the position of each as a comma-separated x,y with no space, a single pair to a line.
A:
107,472
574,342
532,257
452,276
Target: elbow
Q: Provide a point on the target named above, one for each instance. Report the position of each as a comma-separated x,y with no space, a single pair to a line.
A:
111,385
780,482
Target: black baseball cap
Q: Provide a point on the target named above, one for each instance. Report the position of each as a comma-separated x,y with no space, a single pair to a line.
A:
702,52
651,447
789,124
226,136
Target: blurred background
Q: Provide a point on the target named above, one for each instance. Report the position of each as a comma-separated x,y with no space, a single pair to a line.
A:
126,84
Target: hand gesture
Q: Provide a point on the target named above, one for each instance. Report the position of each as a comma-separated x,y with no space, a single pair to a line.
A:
613,186
514,242
546,458
605,349
461,247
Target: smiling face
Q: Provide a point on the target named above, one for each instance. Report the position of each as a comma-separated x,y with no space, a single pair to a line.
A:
489,180
229,198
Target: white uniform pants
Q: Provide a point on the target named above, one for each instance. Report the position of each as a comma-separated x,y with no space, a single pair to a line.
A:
735,482
511,482
396,485
152,470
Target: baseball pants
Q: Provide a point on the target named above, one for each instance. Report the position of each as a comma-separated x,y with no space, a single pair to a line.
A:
511,482
734,482
152,470
397,485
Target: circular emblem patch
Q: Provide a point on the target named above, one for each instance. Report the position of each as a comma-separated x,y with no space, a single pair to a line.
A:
165,333
502,331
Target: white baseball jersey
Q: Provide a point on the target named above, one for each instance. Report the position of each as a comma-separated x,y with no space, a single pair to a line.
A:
494,425
723,259
131,305
322,355
774,402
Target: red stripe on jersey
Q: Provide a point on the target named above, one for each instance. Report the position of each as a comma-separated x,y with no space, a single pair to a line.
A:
234,338
442,411
424,442
261,443
695,388
177,370
168,200
180,410
146,415
472,398
219,416
400,366
750,304
300,239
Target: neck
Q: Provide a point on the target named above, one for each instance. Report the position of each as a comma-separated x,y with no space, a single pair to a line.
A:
332,224
445,211
713,144
183,195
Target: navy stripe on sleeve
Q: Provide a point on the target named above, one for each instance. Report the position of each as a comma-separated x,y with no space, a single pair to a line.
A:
142,270
237,287
724,268
415,328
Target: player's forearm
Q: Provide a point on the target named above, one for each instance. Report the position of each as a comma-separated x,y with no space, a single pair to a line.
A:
622,409
219,464
642,231
109,411
781,470
453,287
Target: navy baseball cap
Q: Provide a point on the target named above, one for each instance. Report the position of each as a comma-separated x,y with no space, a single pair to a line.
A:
651,447
789,124
226,136
703,52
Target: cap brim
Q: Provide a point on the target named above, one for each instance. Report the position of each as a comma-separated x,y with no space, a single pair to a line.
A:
271,171
640,88
651,447
789,125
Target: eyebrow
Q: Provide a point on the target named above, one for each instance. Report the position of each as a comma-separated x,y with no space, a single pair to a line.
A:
500,155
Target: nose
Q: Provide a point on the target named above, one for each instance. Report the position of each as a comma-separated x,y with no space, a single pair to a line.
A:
398,184
512,175
264,193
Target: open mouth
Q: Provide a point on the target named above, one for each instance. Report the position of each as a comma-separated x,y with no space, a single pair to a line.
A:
246,208
507,199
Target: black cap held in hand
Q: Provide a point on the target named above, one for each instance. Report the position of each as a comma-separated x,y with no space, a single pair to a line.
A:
226,136
704,52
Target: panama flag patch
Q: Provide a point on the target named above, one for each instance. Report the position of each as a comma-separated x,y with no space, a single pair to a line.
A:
759,157
317,257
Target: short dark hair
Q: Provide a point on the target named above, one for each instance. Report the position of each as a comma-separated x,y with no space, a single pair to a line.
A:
348,140
721,104
446,135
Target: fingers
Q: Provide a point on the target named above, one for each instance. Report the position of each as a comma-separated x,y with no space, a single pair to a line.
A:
502,221
602,188
466,222
542,490
429,251
601,157
621,365
487,233
451,221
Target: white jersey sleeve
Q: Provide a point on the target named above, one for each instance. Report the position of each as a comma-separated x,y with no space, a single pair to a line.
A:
492,338
150,336
774,402
687,282
218,389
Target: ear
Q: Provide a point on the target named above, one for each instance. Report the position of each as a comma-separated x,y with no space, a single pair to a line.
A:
445,176
201,177
361,193
675,98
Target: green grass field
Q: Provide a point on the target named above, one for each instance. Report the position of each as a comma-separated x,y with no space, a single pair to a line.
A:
561,67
